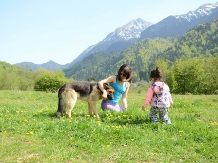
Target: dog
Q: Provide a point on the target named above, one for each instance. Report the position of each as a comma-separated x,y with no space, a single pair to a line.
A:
83,90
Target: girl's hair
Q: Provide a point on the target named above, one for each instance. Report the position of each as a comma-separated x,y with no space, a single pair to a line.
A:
156,74
126,70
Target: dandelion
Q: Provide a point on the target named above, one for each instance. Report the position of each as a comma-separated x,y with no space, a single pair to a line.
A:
155,154
71,138
87,115
31,133
108,145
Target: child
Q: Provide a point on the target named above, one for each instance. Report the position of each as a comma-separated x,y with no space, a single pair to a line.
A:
120,83
159,97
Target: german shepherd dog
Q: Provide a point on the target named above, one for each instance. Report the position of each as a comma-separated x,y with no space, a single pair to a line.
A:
83,90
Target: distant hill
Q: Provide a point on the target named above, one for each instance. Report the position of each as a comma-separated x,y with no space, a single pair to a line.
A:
51,65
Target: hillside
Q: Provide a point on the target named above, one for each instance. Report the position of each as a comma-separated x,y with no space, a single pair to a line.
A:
100,65
200,41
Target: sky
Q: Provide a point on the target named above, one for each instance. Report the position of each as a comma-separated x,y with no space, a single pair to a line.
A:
60,30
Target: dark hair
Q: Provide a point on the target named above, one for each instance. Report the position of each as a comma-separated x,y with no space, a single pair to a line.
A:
127,71
156,74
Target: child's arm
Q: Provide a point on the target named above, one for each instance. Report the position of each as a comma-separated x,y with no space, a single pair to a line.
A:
171,100
148,98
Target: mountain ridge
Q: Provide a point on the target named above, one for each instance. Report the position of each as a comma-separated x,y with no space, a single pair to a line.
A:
170,26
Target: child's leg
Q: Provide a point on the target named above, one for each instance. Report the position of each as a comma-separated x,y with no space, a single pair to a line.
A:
105,105
153,114
164,115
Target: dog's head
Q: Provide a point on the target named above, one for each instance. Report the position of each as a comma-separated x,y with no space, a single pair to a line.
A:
110,91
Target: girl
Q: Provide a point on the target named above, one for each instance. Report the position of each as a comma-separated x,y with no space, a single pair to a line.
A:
159,97
120,83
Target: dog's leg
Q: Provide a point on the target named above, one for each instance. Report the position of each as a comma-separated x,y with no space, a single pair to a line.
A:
70,108
70,104
92,108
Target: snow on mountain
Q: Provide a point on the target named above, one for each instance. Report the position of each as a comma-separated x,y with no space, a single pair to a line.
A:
203,10
175,26
131,30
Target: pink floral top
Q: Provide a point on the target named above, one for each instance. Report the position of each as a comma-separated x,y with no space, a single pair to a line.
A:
153,93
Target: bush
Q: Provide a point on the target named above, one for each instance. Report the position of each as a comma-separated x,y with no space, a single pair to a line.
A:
50,81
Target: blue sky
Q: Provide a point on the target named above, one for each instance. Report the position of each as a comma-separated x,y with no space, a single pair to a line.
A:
60,30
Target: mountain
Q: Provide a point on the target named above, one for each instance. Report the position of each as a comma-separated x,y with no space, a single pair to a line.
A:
118,40
51,66
101,64
174,26
201,41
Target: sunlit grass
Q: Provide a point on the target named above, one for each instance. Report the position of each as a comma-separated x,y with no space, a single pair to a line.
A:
30,132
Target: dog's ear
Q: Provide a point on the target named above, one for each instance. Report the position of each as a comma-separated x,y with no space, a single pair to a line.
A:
106,86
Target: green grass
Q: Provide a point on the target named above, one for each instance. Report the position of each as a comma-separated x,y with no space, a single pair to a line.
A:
30,133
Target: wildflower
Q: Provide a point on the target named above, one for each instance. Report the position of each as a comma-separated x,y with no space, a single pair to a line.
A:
155,154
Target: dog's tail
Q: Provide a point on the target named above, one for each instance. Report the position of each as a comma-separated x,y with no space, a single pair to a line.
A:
60,108
60,105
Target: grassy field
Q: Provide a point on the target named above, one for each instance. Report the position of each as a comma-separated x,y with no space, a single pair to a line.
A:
30,133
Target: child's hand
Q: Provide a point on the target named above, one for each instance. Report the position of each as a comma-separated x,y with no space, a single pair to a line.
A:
143,108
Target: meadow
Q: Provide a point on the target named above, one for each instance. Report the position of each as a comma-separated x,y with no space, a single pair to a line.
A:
30,133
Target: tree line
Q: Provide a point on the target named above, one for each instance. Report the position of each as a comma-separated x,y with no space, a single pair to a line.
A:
197,75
